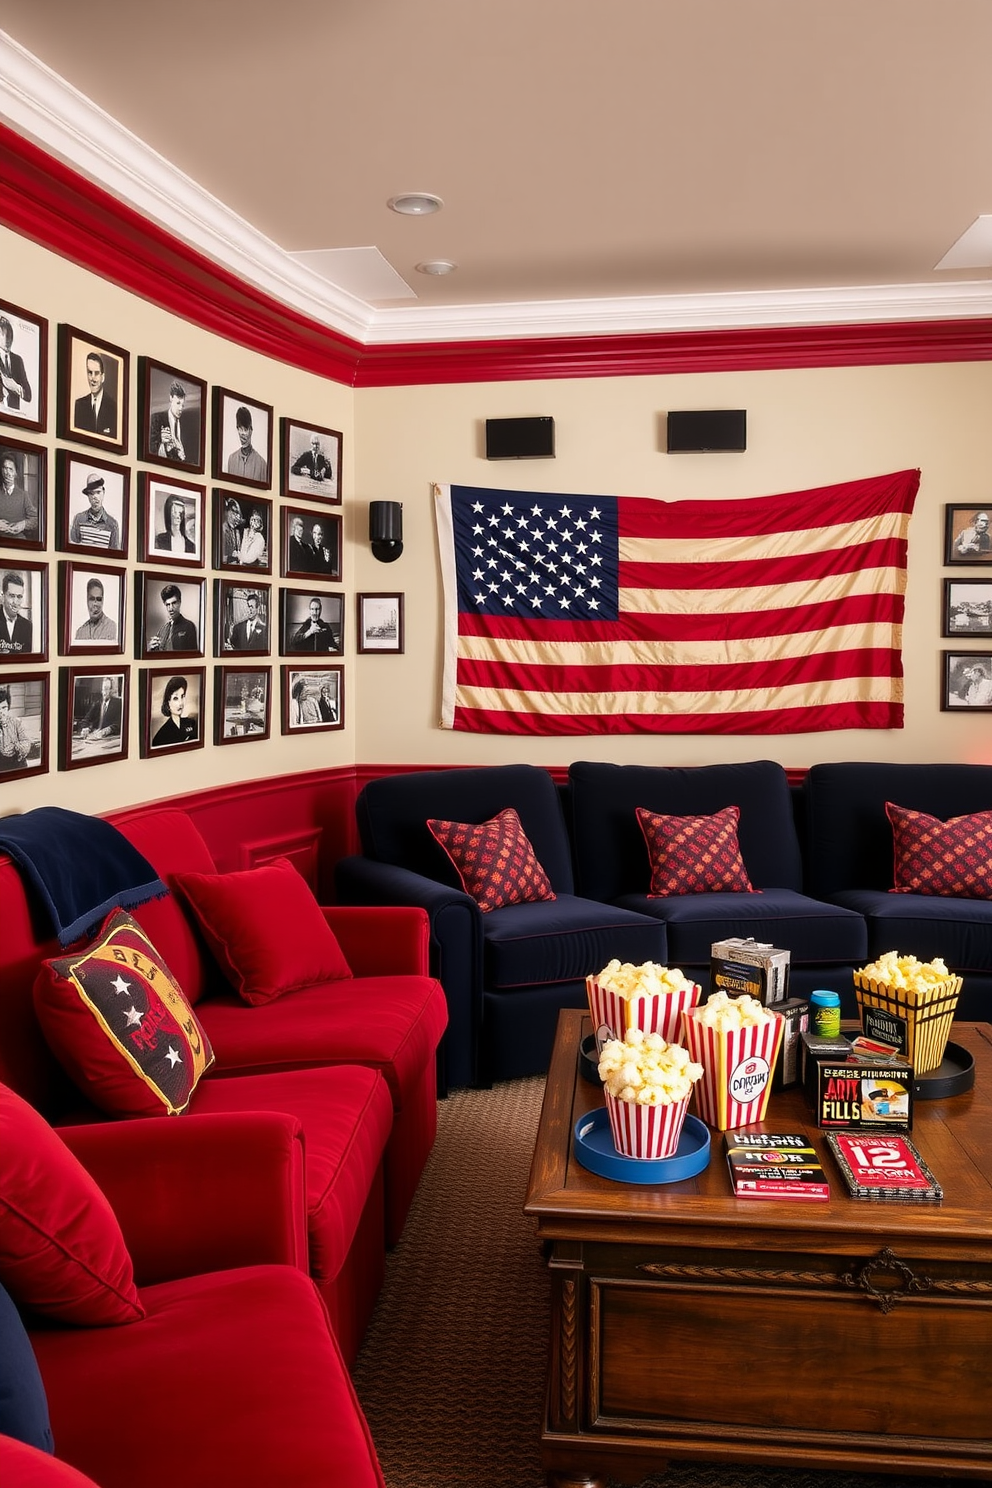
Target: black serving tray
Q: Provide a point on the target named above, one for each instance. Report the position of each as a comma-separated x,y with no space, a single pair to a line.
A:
953,1076
589,1059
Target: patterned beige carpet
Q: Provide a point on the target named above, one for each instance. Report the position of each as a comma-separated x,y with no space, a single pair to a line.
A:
451,1375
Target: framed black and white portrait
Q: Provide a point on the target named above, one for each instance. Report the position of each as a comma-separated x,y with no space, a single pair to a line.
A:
23,612
380,623
92,391
242,439
310,623
93,716
312,699
242,704
91,609
311,544
24,724
310,461
169,615
172,702
172,416
968,534
171,525
242,532
23,485
242,612
967,682
967,608
23,368
92,505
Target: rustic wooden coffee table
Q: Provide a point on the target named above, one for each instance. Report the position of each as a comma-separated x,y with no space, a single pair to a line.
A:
687,1324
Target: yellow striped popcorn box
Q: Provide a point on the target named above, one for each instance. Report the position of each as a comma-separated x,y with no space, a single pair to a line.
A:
737,1041
909,1004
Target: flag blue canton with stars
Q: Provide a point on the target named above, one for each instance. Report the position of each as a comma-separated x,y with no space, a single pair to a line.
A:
550,558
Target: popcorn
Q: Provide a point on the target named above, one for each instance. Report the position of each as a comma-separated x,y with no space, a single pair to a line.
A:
647,1084
650,997
724,1012
907,973
647,980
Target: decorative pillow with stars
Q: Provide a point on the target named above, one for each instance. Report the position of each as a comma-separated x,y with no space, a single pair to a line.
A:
118,1023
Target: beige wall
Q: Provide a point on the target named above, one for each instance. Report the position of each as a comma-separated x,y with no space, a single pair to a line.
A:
805,429
48,286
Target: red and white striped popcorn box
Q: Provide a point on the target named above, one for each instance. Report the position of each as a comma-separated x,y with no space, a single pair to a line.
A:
660,1013
645,1131
737,1069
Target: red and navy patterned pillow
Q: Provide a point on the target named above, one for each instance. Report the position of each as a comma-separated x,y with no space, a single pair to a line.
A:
495,860
694,854
117,1021
952,858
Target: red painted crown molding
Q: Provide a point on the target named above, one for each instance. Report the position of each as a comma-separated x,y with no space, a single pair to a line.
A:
54,206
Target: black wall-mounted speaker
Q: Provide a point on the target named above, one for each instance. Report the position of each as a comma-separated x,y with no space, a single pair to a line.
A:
386,530
520,439
706,429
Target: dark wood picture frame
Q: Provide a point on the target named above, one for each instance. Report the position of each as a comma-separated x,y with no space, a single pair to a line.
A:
92,500
24,383
28,495
308,556
82,742
312,699
85,616
235,542
966,612
233,616
158,497
967,538
79,352
156,445
242,703
310,461
26,695
170,615
380,624
303,634
164,729
964,673
227,442
27,609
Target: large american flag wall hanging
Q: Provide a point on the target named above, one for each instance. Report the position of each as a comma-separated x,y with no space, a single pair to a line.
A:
624,614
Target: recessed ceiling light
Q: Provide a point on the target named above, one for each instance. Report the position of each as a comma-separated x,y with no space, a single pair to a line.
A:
415,204
437,266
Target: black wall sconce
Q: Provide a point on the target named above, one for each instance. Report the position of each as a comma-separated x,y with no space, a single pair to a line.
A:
386,530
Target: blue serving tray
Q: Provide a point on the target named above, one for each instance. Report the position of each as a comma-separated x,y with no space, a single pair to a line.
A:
595,1150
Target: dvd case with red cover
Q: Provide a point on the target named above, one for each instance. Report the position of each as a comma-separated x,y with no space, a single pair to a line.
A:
774,1165
885,1166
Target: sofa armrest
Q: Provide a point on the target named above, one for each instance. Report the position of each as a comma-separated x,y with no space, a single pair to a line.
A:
201,1193
382,939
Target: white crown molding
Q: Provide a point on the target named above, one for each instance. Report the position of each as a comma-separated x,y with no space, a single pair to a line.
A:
40,105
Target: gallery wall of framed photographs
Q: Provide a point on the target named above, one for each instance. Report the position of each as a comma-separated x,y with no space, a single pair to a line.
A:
966,610
170,548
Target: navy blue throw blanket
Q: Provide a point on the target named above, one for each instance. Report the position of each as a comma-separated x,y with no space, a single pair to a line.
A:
80,866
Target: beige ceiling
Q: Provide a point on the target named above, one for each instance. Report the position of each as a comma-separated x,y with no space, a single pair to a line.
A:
583,148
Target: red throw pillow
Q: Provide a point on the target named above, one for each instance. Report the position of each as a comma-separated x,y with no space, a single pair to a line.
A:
117,1021
265,929
495,860
61,1249
694,854
952,858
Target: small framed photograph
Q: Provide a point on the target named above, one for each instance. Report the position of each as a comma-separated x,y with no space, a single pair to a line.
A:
310,622
92,504
91,609
967,681
172,416
169,615
23,368
171,521
310,461
243,703
172,709
23,724
380,623
242,439
241,616
93,391
312,699
23,484
242,532
93,716
23,612
968,534
311,545
967,607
